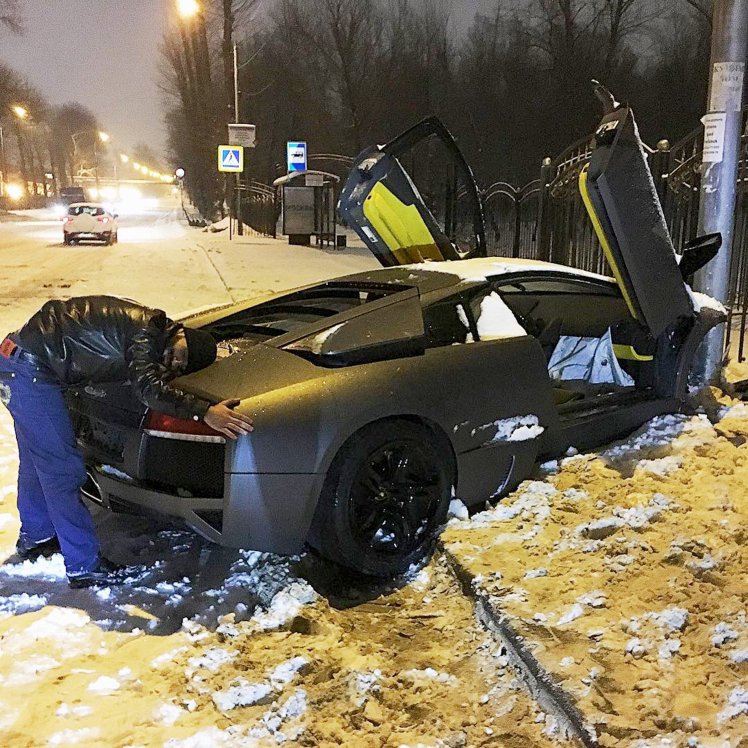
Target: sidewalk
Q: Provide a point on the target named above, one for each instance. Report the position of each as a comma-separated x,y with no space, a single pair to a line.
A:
620,581
255,265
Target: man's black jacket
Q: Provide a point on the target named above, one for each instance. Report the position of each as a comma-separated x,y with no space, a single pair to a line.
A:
96,339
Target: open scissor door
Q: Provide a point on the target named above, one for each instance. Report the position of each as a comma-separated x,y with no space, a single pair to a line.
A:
410,201
622,201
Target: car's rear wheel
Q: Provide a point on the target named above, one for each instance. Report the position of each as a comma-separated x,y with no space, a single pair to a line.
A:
66,240
386,494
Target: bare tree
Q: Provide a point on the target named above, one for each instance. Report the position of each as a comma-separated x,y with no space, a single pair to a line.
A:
11,17
702,7
192,117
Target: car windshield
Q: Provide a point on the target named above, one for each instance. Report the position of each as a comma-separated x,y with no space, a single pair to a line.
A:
91,210
287,313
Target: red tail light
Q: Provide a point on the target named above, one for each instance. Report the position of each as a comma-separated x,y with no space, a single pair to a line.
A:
160,424
103,219
68,219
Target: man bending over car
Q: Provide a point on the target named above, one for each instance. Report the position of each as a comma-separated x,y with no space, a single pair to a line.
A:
90,340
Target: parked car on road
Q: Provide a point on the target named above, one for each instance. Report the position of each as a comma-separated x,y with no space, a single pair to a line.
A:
378,396
89,221
69,195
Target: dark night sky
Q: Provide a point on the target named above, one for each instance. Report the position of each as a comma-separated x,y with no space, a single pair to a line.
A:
104,54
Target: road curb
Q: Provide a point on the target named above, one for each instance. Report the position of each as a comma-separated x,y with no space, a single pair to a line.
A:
539,683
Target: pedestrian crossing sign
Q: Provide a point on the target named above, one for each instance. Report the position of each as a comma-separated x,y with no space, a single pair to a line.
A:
231,158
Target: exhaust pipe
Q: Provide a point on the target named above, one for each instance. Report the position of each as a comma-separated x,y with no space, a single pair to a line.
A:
91,489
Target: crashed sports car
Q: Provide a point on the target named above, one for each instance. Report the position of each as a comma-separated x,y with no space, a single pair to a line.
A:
379,396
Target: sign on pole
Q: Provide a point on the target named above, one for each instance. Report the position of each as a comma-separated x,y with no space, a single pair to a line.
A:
296,156
243,135
231,158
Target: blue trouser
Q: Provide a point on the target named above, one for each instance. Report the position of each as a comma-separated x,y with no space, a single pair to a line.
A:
51,470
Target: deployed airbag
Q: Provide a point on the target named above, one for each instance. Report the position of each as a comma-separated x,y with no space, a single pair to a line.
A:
589,360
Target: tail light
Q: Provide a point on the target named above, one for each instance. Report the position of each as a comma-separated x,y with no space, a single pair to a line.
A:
170,427
68,219
103,219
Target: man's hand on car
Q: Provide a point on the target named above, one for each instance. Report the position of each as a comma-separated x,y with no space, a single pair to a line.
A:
223,418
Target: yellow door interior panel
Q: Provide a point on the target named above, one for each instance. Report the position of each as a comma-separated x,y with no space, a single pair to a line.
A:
401,227
603,239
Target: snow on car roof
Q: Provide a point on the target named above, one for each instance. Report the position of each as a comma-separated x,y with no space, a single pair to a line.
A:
481,268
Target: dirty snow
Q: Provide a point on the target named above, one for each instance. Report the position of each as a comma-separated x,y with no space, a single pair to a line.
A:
643,549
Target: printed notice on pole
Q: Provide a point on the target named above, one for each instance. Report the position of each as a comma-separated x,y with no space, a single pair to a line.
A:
726,94
714,137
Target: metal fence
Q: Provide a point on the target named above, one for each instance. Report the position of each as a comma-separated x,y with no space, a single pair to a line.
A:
259,207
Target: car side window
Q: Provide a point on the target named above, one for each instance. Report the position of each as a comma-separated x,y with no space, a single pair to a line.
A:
446,322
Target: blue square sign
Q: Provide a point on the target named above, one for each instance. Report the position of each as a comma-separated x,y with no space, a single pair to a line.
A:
230,158
296,156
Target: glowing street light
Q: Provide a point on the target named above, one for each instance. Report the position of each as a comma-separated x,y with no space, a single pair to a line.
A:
104,137
14,192
188,8
20,111
124,158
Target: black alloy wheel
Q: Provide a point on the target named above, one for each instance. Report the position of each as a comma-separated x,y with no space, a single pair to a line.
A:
386,495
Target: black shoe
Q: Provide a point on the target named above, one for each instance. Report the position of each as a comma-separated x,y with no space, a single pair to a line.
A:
28,550
104,574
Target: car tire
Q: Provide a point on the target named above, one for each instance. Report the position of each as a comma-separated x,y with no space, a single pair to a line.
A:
384,499
107,239
66,240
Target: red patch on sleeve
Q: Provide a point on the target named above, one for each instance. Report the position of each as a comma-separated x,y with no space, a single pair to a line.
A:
7,347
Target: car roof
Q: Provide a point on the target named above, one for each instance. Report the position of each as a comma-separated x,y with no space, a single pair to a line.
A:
90,205
432,276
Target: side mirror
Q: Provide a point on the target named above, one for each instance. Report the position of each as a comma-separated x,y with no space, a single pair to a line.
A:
698,252
115,215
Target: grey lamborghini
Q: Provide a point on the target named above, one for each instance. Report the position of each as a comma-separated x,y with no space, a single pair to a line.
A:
377,397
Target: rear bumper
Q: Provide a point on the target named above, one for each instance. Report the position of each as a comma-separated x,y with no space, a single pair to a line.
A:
261,511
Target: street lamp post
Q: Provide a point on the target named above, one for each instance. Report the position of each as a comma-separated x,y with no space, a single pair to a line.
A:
3,165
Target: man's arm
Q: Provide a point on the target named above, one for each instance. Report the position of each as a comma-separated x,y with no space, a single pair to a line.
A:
150,379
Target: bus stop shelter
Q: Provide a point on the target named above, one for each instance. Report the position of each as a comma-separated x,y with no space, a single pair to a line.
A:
308,206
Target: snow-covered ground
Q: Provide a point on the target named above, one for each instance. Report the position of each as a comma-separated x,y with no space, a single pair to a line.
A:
624,573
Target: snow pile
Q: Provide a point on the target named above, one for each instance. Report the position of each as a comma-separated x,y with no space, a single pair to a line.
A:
429,673
457,509
243,693
42,568
212,659
496,320
104,685
662,466
737,703
532,501
286,605
82,736
22,603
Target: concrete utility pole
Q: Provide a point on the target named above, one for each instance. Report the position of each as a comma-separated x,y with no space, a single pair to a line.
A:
722,132
238,183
